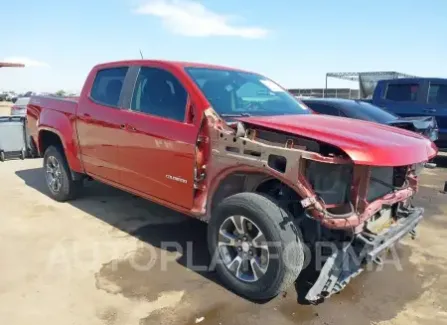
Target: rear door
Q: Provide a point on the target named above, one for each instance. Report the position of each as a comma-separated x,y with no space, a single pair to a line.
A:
100,123
157,153
403,97
437,106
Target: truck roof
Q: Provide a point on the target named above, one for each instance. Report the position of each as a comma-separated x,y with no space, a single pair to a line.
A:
408,80
175,64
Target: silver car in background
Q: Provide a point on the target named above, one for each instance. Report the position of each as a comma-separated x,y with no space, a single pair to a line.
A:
19,107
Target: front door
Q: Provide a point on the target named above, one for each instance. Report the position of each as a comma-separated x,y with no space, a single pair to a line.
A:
437,106
99,124
157,154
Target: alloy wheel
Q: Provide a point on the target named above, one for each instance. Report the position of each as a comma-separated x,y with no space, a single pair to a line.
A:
53,174
243,248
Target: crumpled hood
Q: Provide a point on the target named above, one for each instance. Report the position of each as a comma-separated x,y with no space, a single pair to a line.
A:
366,143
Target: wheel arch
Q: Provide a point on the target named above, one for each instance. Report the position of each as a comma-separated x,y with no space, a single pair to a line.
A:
50,137
47,138
63,127
248,181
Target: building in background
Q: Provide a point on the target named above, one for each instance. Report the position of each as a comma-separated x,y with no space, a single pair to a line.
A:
367,82
347,93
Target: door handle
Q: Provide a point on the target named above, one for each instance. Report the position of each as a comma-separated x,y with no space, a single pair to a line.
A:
127,127
430,110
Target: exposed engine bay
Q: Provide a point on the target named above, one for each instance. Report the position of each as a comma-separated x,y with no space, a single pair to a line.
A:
331,188
358,208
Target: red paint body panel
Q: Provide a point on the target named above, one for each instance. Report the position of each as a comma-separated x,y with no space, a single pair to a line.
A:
142,154
364,142
99,138
57,116
153,148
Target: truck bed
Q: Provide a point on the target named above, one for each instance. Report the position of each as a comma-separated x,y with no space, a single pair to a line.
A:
63,112
66,105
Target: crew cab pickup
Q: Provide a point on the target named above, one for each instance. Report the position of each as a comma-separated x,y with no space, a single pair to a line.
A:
415,97
236,150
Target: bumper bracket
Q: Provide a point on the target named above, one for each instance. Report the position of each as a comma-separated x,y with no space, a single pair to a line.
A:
348,259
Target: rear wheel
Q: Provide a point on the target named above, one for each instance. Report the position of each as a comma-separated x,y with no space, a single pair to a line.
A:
32,151
58,177
256,247
2,156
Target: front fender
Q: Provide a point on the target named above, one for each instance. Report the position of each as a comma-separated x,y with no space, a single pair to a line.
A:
218,176
63,126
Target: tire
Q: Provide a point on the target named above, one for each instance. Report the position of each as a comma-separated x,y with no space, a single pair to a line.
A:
2,156
32,150
277,227
69,188
23,155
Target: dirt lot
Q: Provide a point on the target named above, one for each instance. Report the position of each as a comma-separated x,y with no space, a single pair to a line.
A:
89,262
5,108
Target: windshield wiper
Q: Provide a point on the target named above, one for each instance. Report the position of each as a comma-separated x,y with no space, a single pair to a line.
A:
236,115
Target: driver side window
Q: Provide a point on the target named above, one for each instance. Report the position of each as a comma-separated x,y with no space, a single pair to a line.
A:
158,92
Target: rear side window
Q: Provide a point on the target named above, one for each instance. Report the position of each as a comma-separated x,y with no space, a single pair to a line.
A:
158,92
324,109
402,92
107,86
437,94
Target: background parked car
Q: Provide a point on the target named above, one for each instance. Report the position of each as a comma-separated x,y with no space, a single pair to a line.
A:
415,96
19,107
361,110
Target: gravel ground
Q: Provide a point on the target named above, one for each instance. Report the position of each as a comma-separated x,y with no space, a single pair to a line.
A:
5,108
100,260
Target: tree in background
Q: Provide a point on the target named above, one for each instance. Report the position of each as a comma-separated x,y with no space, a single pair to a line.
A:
60,93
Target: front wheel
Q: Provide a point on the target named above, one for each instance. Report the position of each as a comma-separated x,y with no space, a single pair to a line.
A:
256,248
58,177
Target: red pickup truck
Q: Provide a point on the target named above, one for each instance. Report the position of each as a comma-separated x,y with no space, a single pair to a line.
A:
236,150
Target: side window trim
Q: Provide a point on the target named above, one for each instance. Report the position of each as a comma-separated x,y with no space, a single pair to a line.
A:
133,86
430,83
90,97
129,84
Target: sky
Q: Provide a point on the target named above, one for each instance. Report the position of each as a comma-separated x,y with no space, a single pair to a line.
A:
293,42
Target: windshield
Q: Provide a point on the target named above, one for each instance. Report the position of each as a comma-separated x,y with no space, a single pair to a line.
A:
236,93
366,111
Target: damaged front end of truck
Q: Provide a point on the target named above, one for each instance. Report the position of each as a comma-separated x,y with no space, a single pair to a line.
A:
335,195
